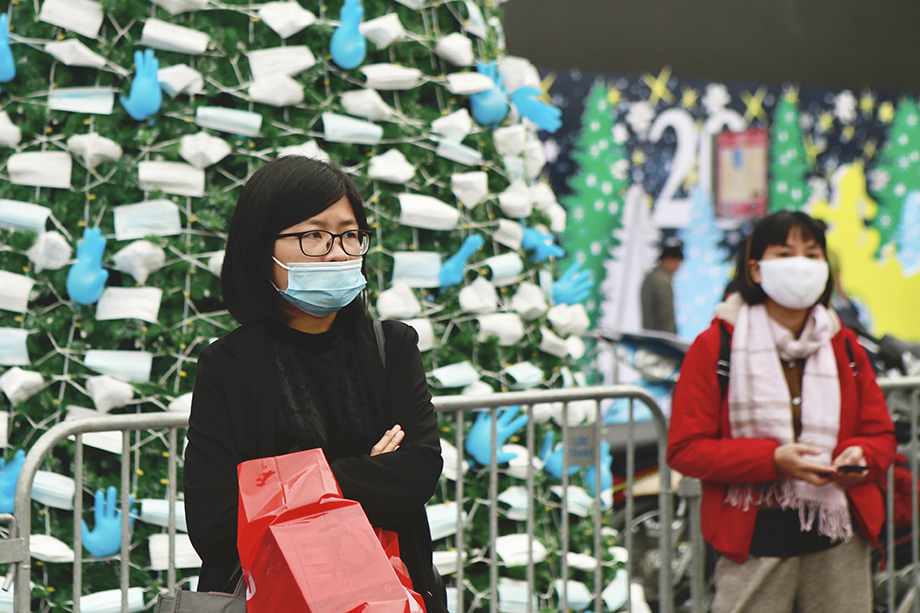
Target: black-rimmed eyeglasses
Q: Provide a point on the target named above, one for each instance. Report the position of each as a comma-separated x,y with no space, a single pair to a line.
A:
317,243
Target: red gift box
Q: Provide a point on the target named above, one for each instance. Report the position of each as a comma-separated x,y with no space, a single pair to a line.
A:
305,548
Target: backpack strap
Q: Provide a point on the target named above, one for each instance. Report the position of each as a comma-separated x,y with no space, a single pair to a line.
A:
850,357
723,366
381,342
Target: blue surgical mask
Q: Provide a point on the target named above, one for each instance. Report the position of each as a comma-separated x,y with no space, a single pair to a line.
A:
322,288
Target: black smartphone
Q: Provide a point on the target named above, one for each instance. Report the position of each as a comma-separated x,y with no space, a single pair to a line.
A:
852,468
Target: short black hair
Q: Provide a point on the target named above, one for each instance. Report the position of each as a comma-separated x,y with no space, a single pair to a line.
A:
774,230
283,193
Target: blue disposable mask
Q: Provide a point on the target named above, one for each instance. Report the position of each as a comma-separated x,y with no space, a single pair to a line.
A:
322,288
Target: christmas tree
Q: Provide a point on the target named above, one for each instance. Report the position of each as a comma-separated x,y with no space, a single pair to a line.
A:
896,175
789,165
596,201
142,192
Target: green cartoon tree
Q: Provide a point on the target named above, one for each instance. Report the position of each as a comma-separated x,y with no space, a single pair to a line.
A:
789,165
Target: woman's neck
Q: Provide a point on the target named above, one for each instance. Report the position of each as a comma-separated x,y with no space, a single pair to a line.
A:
791,319
304,322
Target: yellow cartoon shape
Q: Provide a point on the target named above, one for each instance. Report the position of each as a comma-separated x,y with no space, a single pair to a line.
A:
893,300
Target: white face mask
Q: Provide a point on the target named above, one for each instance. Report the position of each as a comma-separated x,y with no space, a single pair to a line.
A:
795,283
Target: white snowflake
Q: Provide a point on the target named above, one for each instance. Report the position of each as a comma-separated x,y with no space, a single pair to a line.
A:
607,188
620,170
620,134
819,189
904,162
551,150
602,105
578,214
782,136
902,140
598,205
640,117
613,208
845,107
716,98
595,248
900,190
885,220
594,126
591,180
782,187
912,119
580,257
796,194
594,151
807,121
604,144
878,179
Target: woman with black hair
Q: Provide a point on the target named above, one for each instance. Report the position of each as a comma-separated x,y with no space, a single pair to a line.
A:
304,371
792,441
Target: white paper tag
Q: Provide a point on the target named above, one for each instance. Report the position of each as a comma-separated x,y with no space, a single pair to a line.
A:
418,269
509,233
80,16
186,557
286,18
392,167
470,188
106,441
148,218
456,49
93,149
505,268
19,384
47,548
426,212
276,90
155,511
366,103
391,76
454,127
180,79
13,348
131,366
74,53
50,251
139,259
525,375
529,301
516,202
168,37
456,375
228,120
14,291
425,332
478,297
92,100
398,302
466,83
506,326
202,150
171,177
343,129
129,303
53,490
458,153
40,168
280,60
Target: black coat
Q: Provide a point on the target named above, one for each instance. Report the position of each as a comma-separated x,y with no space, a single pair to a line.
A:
233,420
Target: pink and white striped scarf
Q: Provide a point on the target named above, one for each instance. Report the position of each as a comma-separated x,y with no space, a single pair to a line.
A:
759,406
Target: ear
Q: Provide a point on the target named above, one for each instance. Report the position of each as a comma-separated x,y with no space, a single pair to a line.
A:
754,269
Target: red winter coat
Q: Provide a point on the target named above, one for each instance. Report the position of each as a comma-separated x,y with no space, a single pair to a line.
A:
700,443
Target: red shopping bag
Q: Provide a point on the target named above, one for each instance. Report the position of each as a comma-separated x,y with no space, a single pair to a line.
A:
305,548
390,543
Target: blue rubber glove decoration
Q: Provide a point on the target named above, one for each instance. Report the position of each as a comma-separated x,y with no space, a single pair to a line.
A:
105,538
541,244
348,46
546,116
7,61
573,286
86,279
606,472
9,475
491,106
552,457
452,270
146,95
479,438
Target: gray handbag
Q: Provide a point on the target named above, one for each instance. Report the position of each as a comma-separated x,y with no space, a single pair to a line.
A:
203,602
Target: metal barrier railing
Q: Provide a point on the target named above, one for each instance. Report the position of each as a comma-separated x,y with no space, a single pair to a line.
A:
905,394
15,549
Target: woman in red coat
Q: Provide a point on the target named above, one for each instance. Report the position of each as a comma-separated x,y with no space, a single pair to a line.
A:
792,452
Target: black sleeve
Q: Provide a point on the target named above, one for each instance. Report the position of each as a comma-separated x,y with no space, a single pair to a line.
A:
211,490
393,486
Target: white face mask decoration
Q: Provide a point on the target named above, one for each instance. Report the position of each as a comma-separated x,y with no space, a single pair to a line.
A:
795,283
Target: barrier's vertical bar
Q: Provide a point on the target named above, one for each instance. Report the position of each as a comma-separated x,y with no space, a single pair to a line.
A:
564,604
630,477
691,490
531,575
77,521
889,572
171,522
125,517
598,505
915,517
458,429
493,516
666,514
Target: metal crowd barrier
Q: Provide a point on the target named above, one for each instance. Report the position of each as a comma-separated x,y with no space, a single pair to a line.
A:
897,587
15,549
